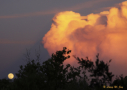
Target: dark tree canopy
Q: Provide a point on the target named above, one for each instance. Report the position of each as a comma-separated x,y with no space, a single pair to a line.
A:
52,74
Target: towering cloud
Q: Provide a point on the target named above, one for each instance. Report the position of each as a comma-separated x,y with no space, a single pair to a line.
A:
104,33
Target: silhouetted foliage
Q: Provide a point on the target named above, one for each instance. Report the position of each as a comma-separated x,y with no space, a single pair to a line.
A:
4,83
99,72
56,74
120,82
52,74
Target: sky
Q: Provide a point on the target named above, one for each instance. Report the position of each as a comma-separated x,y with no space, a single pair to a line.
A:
87,27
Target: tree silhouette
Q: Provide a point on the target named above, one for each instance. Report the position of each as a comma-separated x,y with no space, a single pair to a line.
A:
52,74
56,74
4,83
100,70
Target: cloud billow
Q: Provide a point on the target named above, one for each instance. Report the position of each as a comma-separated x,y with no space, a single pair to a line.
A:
104,33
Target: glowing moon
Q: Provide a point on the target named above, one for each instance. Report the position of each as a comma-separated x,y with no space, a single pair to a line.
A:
10,75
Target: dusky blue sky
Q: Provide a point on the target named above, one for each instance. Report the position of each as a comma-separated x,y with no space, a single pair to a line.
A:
23,24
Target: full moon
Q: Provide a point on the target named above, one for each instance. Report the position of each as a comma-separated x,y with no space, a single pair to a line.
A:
10,75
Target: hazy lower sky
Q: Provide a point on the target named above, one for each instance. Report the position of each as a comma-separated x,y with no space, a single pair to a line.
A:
23,24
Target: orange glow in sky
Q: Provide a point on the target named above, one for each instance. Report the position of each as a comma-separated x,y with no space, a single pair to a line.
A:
104,33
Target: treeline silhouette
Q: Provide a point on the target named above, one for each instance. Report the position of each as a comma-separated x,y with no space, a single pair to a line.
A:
54,75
